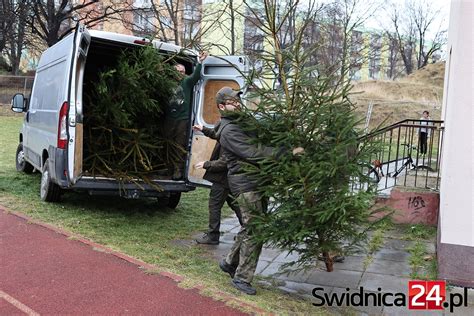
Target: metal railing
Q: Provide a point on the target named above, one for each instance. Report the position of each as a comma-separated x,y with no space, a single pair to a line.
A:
408,158
10,85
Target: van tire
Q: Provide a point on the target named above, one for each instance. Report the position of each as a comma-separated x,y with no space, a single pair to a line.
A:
21,164
49,191
173,200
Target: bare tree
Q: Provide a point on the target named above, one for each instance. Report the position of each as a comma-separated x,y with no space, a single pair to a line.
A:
168,13
6,15
13,35
394,69
50,20
424,16
17,37
342,40
178,21
411,25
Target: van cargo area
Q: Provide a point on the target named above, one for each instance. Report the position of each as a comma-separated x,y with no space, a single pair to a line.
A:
103,55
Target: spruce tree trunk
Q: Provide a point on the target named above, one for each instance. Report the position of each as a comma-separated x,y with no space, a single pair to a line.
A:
328,261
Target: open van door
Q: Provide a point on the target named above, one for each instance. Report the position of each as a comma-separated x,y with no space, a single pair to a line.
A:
217,72
82,41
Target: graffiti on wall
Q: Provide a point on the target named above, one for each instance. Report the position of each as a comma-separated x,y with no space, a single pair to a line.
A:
416,203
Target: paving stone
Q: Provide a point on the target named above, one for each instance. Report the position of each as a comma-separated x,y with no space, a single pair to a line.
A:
235,230
271,269
338,278
225,228
292,275
388,283
218,251
276,271
228,238
396,233
231,220
391,254
269,254
360,253
307,288
430,247
286,257
389,267
261,265
397,244
352,263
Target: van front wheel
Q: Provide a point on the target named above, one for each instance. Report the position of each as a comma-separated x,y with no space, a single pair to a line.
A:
21,164
49,191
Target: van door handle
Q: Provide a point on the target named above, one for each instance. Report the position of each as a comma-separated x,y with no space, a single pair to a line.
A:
27,117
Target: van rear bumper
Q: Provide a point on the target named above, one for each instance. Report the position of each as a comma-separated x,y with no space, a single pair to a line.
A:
107,186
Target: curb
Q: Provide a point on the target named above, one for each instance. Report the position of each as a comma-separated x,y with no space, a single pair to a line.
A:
141,264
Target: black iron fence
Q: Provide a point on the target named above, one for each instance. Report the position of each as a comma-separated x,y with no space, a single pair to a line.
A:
409,156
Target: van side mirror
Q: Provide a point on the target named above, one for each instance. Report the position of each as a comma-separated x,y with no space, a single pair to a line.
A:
18,103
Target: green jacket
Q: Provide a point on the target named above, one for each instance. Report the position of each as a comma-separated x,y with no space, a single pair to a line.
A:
180,104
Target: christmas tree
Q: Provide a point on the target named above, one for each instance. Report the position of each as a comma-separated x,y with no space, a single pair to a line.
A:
317,205
123,136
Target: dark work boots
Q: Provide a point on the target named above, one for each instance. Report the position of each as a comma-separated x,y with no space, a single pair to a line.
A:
227,268
206,239
244,287
238,284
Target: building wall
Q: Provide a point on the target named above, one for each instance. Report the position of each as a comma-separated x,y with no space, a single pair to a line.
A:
457,190
216,26
118,26
456,225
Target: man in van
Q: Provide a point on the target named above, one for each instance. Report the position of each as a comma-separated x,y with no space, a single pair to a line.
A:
238,150
177,113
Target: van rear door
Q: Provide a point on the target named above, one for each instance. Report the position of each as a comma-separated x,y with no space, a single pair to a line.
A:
82,40
217,72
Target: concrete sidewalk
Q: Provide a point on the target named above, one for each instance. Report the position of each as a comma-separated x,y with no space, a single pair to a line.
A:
388,270
44,272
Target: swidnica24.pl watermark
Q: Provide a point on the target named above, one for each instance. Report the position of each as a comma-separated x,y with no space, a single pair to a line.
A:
420,295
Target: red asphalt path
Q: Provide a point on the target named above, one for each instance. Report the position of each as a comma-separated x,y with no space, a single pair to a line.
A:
44,272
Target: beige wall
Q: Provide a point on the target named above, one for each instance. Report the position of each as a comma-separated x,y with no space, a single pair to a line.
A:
457,189
217,35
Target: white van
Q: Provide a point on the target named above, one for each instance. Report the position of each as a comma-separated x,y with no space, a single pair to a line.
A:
51,138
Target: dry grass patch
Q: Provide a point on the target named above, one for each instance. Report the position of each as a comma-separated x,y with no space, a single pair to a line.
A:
406,98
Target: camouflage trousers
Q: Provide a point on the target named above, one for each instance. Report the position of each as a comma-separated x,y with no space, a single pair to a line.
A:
245,251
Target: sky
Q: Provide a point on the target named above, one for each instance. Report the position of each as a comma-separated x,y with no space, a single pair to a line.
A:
444,5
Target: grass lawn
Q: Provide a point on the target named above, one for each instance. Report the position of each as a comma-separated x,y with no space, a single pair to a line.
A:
136,227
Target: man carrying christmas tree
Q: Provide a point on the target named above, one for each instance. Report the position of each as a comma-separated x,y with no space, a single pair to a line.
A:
238,150
177,113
